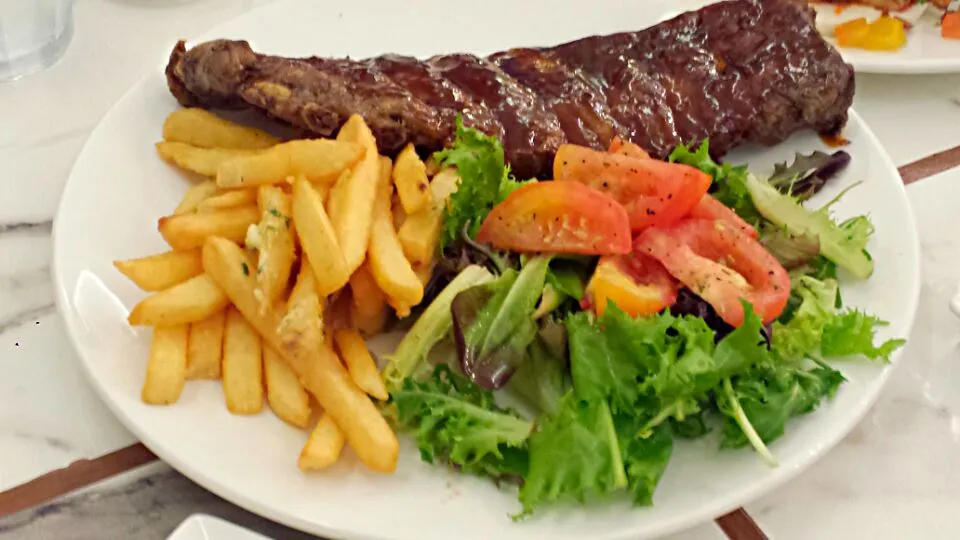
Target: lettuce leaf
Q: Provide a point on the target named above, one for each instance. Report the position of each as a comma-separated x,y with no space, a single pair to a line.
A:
800,337
574,454
619,358
458,422
808,173
644,458
431,327
485,180
817,330
603,359
852,333
729,182
542,378
566,280
843,243
770,395
700,367
493,323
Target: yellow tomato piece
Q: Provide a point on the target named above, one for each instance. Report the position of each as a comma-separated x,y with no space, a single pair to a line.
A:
886,34
852,33
610,283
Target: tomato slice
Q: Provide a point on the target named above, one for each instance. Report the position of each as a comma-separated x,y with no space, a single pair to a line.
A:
710,208
721,264
653,192
619,146
638,284
950,25
558,217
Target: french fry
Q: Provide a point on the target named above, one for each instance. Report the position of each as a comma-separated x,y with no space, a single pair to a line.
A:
189,231
205,161
444,184
318,239
302,324
205,347
323,446
324,191
410,177
201,128
399,214
166,366
431,166
391,269
276,242
319,370
424,273
338,314
369,313
419,236
363,370
420,233
195,195
319,160
286,397
242,365
228,199
163,270
351,199
191,301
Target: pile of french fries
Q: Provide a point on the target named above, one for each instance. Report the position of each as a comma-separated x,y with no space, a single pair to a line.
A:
284,257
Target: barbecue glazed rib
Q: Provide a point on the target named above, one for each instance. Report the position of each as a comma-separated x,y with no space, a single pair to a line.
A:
743,71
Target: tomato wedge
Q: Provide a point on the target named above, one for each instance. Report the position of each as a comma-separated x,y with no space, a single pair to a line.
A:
619,146
653,192
721,264
637,283
950,25
558,217
710,208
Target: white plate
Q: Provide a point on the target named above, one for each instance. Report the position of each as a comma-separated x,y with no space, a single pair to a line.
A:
925,52
119,188
203,527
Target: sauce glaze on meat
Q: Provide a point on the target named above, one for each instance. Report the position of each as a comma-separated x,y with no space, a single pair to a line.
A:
736,72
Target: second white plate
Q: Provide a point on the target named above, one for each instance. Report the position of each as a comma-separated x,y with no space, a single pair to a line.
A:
204,527
926,52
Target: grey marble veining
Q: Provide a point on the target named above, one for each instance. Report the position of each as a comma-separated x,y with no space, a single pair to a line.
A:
147,504
25,290
150,502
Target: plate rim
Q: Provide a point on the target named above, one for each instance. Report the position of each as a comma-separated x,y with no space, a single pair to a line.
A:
704,513
921,67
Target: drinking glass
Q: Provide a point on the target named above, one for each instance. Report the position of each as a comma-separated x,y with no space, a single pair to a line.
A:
33,35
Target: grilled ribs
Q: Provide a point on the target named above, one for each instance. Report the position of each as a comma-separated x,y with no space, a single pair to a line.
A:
741,71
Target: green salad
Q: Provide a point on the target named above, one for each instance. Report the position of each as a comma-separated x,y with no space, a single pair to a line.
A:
599,317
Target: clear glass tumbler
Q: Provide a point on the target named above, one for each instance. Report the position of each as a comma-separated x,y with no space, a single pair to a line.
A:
33,35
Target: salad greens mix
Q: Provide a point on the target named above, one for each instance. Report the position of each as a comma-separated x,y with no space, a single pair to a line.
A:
599,400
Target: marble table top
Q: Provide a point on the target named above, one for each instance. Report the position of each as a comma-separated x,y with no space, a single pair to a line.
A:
896,476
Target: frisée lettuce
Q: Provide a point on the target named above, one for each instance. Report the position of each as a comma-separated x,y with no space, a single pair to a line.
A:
602,399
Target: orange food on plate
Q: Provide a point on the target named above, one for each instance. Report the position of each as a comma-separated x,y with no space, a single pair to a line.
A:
721,265
652,191
636,283
558,217
852,33
950,25
710,208
619,146
884,34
